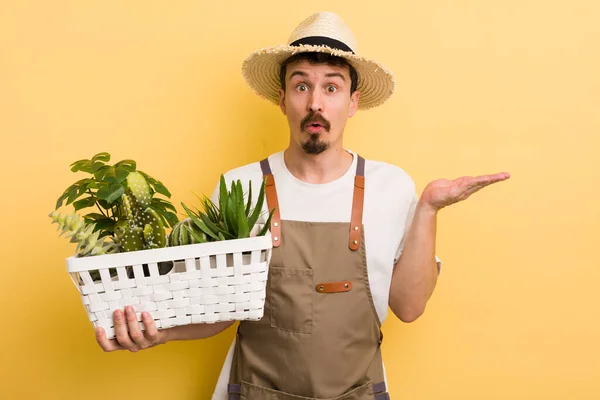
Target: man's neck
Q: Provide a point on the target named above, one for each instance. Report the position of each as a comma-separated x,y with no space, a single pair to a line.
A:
318,169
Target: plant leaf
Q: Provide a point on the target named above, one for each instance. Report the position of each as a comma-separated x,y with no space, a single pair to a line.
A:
128,165
242,223
110,193
171,218
94,216
72,194
101,157
223,196
214,228
81,165
265,228
60,200
162,203
104,204
249,204
160,188
199,223
85,202
259,205
231,218
107,224
107,174
121,174
87,166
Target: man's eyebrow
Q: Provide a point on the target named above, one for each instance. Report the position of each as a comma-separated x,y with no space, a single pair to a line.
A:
332,74
300,73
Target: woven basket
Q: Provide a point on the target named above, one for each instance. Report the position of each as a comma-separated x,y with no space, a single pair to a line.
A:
208,282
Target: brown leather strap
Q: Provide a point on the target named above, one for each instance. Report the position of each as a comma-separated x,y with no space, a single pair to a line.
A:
357,205
272,202
334,287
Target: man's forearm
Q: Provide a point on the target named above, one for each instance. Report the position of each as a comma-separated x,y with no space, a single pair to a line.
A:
195,331
415,274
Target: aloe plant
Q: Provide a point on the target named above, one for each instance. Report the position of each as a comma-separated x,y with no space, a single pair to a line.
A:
232,218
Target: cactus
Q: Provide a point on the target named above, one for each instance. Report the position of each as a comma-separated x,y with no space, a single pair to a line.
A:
143,228
140,189
88,241
186,232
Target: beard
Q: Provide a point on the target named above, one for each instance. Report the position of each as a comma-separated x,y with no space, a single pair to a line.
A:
314,145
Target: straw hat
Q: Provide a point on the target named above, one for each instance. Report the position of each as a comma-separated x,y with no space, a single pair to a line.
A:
323,32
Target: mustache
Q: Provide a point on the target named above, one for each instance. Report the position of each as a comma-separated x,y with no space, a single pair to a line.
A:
313,118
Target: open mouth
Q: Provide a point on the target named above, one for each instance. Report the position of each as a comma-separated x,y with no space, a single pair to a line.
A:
314,123
314,128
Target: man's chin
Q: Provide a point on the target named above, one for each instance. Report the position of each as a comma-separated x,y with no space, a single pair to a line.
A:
314,147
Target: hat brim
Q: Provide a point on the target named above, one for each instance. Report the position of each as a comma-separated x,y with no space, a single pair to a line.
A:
261,71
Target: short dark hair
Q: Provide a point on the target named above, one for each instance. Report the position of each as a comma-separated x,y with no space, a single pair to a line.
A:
320,58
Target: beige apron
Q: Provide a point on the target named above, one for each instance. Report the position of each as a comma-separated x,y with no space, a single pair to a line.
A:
320,335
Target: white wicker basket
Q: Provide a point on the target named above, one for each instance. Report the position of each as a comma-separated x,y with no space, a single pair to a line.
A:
209,282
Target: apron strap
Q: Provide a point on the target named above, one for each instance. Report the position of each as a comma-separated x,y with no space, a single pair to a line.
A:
357,205
380,391
234,391
272,202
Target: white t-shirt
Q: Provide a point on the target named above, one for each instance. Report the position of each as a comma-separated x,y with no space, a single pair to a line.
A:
389,205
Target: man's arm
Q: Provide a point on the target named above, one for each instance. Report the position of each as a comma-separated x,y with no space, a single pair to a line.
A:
415,274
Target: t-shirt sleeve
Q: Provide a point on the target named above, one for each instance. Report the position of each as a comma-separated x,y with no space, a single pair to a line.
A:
408,222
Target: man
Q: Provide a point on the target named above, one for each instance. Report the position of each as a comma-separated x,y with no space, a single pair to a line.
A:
350,237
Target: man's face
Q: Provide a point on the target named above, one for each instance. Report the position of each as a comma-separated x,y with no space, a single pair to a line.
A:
317,103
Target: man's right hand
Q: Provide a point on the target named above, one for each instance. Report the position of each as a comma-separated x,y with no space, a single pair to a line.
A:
128,334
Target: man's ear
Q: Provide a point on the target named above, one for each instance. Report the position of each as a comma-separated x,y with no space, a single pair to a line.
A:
282,101
353,103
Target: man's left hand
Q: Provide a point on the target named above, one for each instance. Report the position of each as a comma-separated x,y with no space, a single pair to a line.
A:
443,192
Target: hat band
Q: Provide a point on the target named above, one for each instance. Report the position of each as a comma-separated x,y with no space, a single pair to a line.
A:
322,41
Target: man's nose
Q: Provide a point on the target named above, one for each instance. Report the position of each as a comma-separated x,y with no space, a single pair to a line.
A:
315,103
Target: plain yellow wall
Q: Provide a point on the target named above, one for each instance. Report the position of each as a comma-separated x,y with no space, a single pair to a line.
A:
483,87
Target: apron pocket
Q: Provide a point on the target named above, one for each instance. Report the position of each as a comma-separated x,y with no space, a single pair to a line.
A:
291,299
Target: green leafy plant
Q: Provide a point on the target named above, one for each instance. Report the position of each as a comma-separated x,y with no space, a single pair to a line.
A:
232,218
129,211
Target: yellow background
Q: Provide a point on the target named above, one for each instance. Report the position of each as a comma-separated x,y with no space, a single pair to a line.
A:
483,87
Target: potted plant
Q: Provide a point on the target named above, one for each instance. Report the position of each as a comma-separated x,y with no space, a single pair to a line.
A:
125,257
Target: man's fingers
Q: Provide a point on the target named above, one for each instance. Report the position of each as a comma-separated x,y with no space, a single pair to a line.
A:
106,344
128,333
122,332
135,333
151,332
485,180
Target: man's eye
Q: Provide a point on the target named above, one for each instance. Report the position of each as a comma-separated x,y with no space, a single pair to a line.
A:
302,87
331,89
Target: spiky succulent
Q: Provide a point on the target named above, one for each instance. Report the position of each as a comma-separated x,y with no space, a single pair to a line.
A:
233,218
88,242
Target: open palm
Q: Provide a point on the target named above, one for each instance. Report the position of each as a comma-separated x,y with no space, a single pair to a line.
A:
443,192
